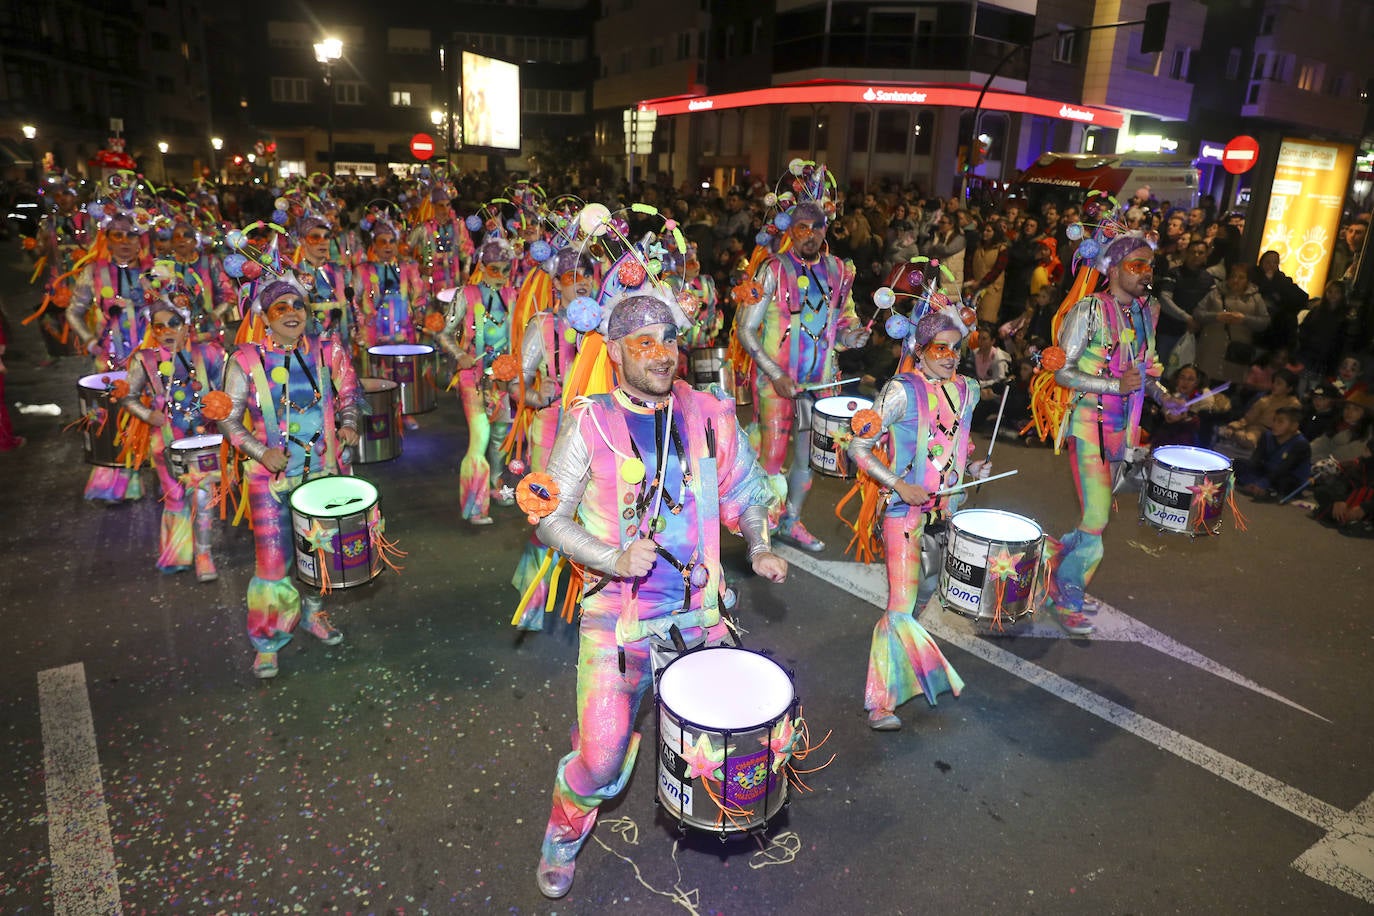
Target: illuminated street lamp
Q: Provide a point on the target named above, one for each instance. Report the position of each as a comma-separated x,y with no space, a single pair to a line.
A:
437,118
31,132
326,52
162,148
216,144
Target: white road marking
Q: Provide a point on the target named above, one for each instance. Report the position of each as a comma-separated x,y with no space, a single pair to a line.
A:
83,863
1344,859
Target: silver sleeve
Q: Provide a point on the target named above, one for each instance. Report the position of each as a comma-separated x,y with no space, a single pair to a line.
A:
83,294
753,525
1074,334
453,320
891,406
236,385
131,402
570,466
532,358
750,319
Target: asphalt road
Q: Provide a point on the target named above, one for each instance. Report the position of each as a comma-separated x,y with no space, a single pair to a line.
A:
1215,735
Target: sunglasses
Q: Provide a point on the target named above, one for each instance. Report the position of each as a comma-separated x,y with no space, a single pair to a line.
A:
805,229
175,323
316,236
937,351
117,235
569,277
1138,266
283,307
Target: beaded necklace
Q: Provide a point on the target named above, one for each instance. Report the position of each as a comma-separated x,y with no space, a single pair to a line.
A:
282,375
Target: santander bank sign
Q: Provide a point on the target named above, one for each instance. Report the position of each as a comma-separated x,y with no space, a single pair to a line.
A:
894,95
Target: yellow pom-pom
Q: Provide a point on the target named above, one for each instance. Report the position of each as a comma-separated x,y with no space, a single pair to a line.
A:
632,471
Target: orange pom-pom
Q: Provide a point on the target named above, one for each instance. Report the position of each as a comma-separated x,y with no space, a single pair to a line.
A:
434,322
866,423
1052,359
536,495
62,296
215,405
505,367
974,340
119,390
747,292
30,243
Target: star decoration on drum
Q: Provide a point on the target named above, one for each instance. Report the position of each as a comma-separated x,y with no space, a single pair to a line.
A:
782,741
318,538
1003,566
507,492
1207,492
703,761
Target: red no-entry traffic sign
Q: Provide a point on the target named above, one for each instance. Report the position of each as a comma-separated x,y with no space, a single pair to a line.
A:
422,146
1240,155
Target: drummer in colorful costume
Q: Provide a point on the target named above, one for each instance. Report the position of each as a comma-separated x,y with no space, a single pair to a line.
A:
1108,344
792,332
325,279
392,296
213,293
169,378
443,245
301,394
928,413
63,238
706,326
641,480
481,311
112,282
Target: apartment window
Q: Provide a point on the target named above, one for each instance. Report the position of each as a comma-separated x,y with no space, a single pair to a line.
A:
1257,69
1065,46
891,133
655,55
858,135
290,34
400,98
728,46
623,62
410,95
1178,68
481,41
1252,94
548,101
348,92
756,36
1266,26
291,89
1233,64
684,45
1310,77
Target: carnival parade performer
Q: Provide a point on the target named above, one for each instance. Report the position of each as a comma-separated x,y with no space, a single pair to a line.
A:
392,296
928,413
1108,343
214,296
481,312
644,478
62,239
706,325
325,279
548,348
442,244
791,333
301,394
113,285
168,379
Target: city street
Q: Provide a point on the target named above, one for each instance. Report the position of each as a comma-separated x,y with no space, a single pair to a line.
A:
1208,751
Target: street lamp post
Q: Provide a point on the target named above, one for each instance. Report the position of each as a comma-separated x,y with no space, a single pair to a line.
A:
437,118
216,144
326,52
162,149
30,133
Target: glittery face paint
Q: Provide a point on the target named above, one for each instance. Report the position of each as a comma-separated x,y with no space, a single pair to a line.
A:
385,246
648,361
282,307
940,357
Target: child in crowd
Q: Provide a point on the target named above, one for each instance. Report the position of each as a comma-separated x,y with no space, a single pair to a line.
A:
1345,441
1282,461
1345,501
1246,432
1321,416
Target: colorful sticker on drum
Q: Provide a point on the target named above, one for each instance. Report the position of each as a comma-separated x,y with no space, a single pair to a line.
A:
747,779
966,561
672,779
207,462
378,427
353,549
1019,584
824,454
307,564
403,371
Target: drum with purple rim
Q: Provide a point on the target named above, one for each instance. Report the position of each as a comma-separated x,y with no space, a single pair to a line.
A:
411,367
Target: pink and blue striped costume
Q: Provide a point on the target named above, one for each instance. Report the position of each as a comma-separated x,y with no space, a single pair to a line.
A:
483,313
328,285
117,293
443,250
709,477
176,383
392,299
928,425
217,295
297,399
1101,338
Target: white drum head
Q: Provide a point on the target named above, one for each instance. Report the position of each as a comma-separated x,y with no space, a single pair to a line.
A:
840,406
191,443
725,689
997,525
400,350
333,497
1189,458
101,380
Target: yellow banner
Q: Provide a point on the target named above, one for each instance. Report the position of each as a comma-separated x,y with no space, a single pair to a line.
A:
1305,209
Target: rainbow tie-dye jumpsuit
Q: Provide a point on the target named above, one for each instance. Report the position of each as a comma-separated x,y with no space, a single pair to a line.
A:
1101,338
392,299
175,383
709,477
297,400
793,330
928,425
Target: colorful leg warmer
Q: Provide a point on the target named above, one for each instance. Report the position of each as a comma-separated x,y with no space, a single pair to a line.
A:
114,484
203,520
274,604
799,475
775,427
1080,551
903,660
174,547
474,472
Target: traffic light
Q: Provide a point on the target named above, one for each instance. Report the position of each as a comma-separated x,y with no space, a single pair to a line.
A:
1156,27
963,159
980,149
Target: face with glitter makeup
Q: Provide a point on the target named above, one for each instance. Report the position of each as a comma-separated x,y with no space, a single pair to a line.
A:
384,243
286,319
940,357
574,283
316,244
808,235
646,360
184,243
169,330
495,273
123,246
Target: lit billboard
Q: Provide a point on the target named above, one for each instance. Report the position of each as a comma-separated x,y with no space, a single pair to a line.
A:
1305,208
491,103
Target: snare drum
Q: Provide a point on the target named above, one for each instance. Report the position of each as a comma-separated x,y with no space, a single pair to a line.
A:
991,563
102,418
707,366
411,367
1185,489
381,434
195,455
829,423
722,706
345,509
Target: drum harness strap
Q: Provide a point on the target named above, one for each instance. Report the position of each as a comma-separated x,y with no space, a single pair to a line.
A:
917,395
268,405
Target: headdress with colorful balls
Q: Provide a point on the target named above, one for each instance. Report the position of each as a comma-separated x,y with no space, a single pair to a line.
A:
805,182
381,214
529,198
916,284
561,231
1103,222
254,263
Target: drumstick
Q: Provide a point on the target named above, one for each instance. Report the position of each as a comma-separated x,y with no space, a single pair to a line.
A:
819,386
973,483
1205,395
998,425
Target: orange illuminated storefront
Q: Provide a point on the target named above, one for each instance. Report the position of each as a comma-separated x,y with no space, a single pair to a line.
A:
863,131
